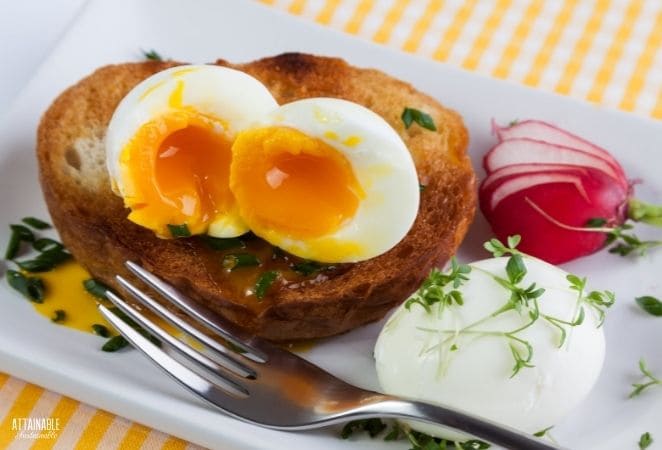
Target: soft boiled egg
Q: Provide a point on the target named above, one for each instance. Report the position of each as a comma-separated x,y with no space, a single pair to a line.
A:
424,354
169,144
325,179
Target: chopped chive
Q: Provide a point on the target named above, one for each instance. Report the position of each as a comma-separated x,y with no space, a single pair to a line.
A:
411,115
96,288
32,288
421,187
152,55
35,223
46,244
129,321
223,243
100,330
237,260
179,231
45,261
114,344
307,267
13,246
58,316
263,283
24,233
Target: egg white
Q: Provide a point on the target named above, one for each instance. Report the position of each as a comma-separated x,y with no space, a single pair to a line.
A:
381,164
476,378
233,97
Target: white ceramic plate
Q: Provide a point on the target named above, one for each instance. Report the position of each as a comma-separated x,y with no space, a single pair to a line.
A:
69,362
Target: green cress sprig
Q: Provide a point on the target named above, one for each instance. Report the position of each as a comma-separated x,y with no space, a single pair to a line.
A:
418,441
523,300
650,380
432,290
624,243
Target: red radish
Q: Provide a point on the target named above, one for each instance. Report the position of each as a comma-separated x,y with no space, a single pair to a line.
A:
516,169
516,183
530,151
542,131
551,187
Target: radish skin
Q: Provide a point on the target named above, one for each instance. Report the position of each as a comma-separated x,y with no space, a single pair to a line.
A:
517,169
518,183
543,131
530,151
557,202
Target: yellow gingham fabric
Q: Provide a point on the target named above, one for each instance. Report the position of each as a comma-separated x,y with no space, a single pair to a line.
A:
603,51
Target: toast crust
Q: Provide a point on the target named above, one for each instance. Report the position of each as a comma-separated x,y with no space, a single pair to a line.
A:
92,220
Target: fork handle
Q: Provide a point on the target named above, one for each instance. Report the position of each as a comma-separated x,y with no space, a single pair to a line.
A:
452,418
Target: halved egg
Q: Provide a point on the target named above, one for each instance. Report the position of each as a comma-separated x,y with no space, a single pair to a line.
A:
325,179
169,147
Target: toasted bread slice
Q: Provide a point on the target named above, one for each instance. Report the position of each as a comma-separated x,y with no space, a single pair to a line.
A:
92,220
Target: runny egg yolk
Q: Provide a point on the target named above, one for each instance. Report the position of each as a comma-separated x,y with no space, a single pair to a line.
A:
176,171
291,183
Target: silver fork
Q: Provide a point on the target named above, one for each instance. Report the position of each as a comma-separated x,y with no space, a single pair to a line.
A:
263,384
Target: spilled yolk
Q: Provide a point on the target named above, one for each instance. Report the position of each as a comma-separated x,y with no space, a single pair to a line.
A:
176,171
287,181
65,291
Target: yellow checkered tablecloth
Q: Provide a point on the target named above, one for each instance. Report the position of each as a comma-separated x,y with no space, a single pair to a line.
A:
603,51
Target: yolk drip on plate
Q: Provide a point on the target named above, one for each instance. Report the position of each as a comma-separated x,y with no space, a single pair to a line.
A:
287,181
64,291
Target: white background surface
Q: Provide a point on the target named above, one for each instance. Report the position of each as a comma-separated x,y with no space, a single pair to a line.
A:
29,30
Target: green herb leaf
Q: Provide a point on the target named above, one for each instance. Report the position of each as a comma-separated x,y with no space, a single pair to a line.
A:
58,316
36,223
152,55
596,222
263,283
31,288
179,231
394,433
19,233
432,289
96,288
307,268
515,269
372,426
100,330
497,248
411,115
650,304
47,244
129,321
114,344
645,212
46,260
650,380
421,187
542,433
223,243
24,233
237,260
645,441
13,246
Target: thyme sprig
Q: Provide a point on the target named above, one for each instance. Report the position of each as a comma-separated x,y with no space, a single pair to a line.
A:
419,441
650,380
433,288
523,300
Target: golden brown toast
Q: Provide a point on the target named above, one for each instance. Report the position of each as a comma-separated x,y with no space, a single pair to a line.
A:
92,220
